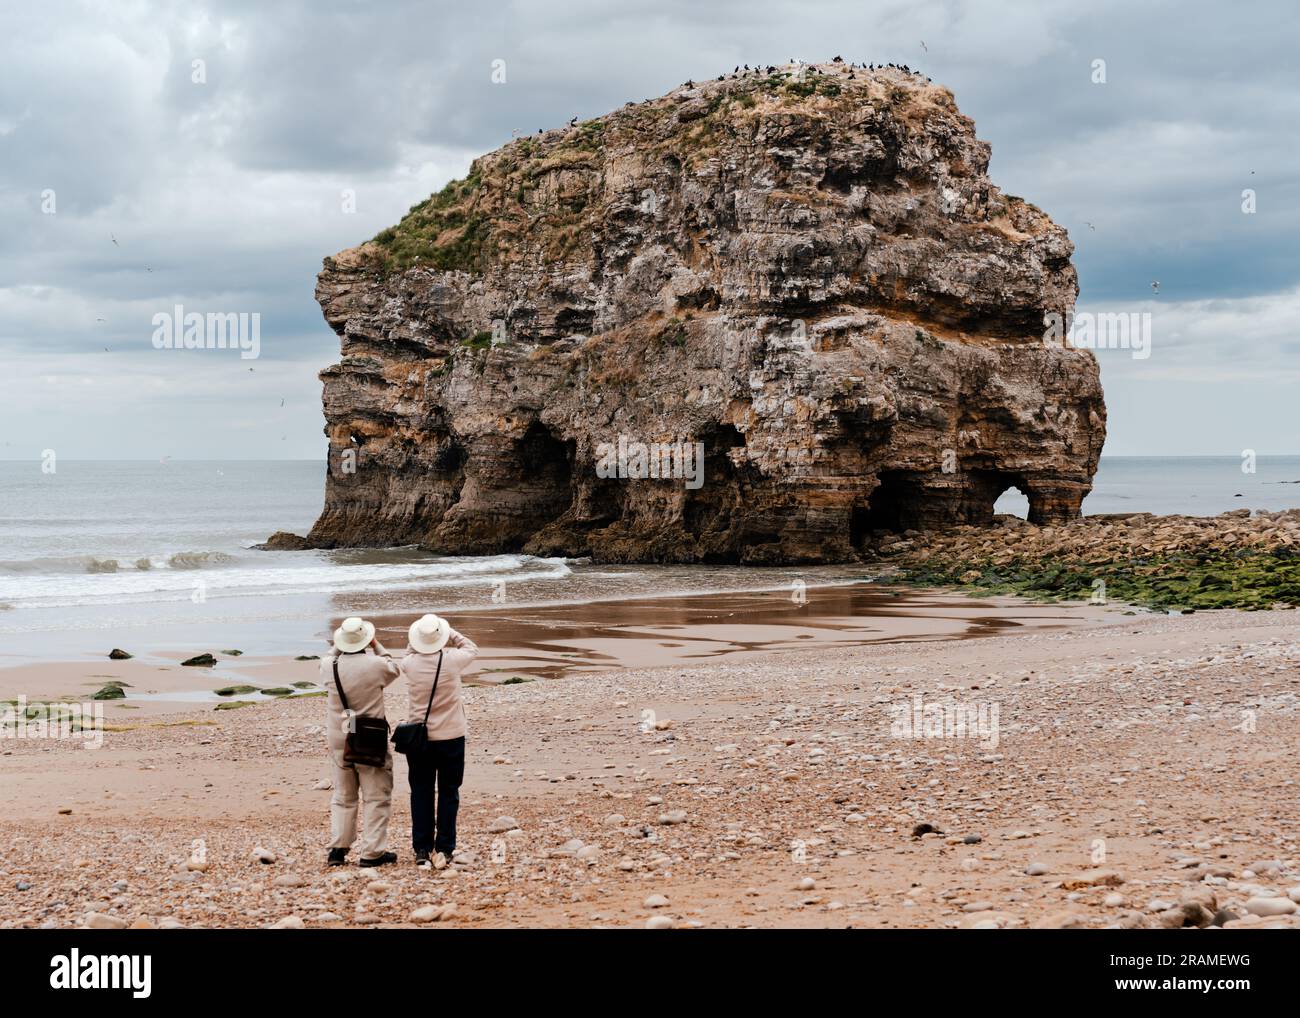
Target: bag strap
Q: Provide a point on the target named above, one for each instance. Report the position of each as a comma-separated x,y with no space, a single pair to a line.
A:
342,695
433,691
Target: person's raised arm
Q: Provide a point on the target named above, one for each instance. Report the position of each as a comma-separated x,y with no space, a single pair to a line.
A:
463,644
391,669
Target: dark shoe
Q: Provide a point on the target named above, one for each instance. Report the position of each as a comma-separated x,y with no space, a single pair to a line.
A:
380,860
337,857
423,861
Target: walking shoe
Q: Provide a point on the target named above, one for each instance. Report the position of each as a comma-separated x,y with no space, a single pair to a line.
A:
439,862
337,857
423,861
380,860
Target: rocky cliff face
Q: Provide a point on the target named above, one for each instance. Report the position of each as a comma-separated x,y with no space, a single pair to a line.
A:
809,274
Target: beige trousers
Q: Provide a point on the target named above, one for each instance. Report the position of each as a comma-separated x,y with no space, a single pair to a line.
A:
376,787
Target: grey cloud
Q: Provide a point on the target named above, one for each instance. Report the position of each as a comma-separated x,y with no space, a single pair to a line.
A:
229,190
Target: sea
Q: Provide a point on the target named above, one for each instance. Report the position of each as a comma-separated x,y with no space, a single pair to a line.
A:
142,546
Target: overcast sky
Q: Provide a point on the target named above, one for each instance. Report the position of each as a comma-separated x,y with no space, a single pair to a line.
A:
225,193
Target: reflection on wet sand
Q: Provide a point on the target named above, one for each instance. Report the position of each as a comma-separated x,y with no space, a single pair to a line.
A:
550,641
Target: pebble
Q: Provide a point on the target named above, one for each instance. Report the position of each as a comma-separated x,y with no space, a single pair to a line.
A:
430,913
656,901
290,922
807,884
502,824
1092,878
289,880
1036,869
1270,906
100,921
264,855
676,816
659,922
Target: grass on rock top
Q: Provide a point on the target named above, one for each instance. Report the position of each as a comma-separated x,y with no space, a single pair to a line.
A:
537,197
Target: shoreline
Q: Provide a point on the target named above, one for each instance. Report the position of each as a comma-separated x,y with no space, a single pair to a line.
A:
569,639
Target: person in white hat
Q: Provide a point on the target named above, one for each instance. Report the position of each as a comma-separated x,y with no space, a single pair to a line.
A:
365,669
435,660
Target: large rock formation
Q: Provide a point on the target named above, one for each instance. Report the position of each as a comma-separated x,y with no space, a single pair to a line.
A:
807,272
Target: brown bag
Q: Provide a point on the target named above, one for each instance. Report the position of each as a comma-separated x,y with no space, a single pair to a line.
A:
367,739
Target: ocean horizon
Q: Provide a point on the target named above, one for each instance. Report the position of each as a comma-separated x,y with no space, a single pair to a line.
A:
106,543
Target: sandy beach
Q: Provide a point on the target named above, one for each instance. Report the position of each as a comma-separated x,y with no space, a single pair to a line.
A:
725,761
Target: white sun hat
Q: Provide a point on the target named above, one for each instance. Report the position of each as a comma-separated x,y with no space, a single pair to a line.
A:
429,634
355,634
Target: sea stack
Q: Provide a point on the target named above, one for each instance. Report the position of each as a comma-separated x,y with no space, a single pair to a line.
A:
805,276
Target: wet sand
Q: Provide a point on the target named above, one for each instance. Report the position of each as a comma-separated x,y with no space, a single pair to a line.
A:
569,640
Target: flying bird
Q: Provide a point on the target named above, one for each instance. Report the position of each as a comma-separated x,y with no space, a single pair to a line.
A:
1090,226
114,240
924,46
1155,286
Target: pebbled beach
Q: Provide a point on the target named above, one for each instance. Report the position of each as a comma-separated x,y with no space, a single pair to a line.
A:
1139,771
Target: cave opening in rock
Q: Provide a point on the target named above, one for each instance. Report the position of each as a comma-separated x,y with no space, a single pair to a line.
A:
546,465
893,506
1012,502
450,458
709,509
995,491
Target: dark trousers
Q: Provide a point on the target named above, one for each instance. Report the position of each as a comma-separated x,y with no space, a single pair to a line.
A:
438,768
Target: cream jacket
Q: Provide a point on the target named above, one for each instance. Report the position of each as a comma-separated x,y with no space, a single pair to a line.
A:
447,715
364,677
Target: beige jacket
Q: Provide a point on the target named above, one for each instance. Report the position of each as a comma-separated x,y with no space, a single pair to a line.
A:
447,715
364,677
